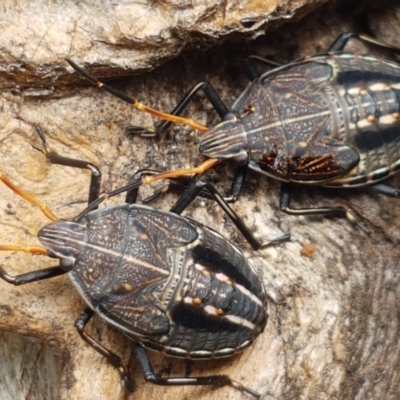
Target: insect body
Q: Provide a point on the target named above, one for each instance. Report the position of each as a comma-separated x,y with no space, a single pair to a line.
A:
168,282
332,119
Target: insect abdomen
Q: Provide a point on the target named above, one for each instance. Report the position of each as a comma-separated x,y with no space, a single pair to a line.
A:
367,90
218,306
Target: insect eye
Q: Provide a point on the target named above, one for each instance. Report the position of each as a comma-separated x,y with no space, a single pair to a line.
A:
242,158
230,116
67,263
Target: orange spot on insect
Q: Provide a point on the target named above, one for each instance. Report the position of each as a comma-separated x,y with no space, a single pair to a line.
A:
219,311
396,115
363,91
197,301
371,118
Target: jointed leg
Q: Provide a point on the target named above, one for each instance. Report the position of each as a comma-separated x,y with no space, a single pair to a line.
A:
385,189
80,325
340,43
237,184
214,380
54,158
251,69
284,205
149,179
191,193
33,276
53,271
195,190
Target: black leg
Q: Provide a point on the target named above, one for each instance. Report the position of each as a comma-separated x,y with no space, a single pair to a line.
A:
340,43
251,69
179,185
214,380
284,205
385,189
32,276
54,158
194,191
206,189
131,195
183,202
237,184
182,183
80,325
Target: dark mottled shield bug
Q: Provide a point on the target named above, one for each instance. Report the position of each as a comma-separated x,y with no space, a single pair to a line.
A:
332,119
168,282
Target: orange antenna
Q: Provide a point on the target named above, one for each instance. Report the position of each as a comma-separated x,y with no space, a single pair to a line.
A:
33,200
25,249
138,105
181,172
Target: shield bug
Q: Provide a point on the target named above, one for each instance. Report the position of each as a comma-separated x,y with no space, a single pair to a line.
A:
332,119
168,282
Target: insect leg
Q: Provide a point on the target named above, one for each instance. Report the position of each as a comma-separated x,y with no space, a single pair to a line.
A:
182,183
284,205
179,185
54,158
385,189
215,380
251,69
340,43
32,276
146,180
131,195
80,325
194,191
237,184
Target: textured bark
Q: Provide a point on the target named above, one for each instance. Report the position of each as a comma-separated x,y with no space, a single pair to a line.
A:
36,36
334,321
